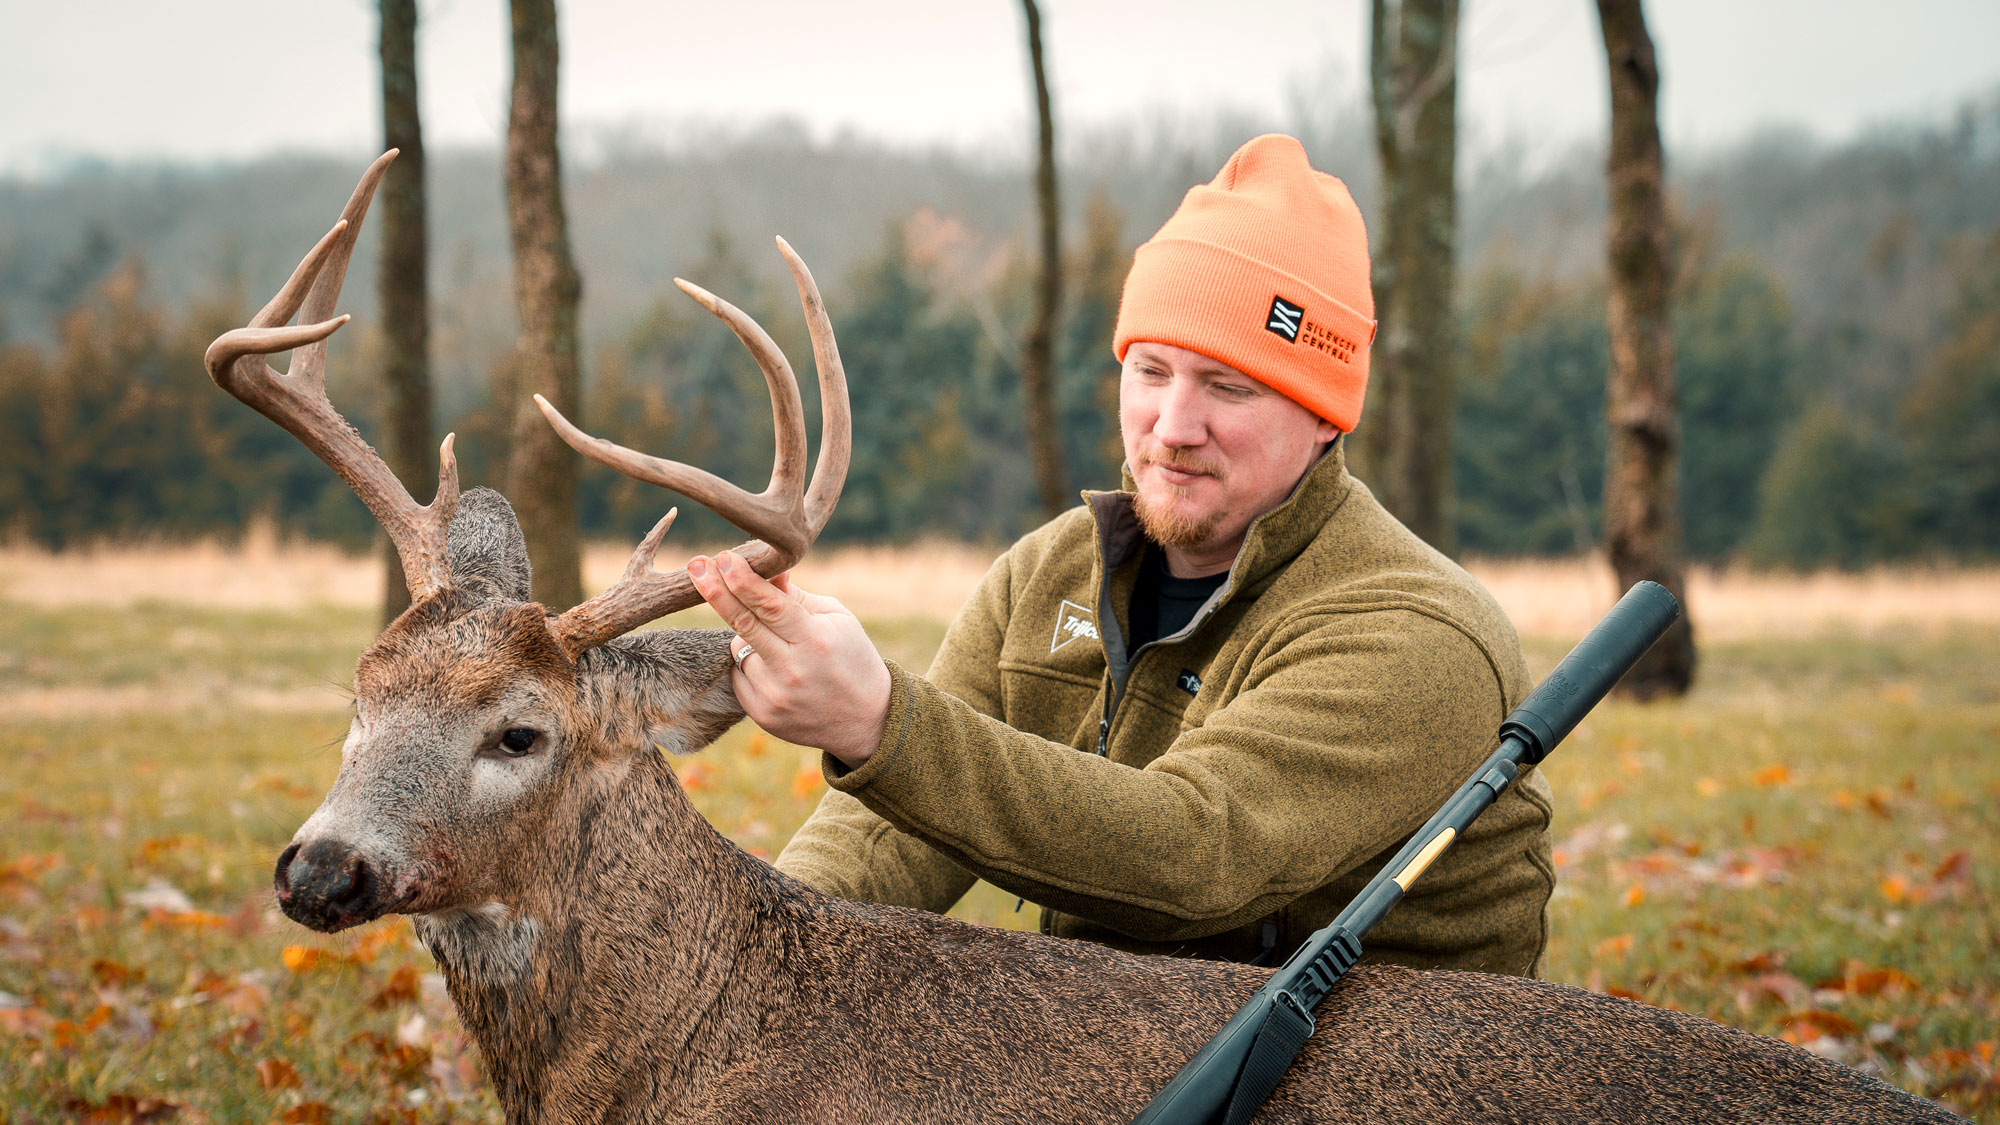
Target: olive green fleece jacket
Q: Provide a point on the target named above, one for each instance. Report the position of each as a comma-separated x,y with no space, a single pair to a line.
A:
1227,789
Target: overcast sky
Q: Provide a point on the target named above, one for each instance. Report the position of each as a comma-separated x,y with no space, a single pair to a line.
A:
234,79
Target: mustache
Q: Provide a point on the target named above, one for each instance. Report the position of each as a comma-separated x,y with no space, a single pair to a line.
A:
1177,459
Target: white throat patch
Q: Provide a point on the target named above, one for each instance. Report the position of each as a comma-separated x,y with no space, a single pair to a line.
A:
488,944
1072,621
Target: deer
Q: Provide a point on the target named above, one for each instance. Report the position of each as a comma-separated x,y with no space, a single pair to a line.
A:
617,959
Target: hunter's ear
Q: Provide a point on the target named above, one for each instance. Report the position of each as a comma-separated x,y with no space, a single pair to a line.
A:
488,555
674,681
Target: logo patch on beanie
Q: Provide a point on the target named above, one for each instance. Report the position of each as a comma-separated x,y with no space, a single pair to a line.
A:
1285,318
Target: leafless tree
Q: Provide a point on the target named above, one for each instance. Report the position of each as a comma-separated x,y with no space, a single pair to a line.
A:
1038,358
546,292
402,279
1404,440
1642,514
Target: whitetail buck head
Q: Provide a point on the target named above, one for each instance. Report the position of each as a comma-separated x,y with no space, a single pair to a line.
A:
477,711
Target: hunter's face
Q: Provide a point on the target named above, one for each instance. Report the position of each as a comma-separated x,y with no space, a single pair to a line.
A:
1211,449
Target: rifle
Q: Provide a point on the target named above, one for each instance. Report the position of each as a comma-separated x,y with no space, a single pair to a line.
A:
1234,1072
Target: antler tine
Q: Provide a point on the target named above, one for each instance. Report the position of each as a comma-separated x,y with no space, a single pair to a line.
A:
298,402
836,428
785,518
310,363
788,414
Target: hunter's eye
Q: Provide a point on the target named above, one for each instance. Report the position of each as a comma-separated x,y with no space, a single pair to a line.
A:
519,740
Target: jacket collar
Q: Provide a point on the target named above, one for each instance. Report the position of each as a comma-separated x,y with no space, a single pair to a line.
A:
1272,541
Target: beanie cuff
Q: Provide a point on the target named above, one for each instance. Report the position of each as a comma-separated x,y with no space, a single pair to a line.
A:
1266,323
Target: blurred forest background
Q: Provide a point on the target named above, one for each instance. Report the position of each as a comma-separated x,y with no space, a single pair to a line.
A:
1837,321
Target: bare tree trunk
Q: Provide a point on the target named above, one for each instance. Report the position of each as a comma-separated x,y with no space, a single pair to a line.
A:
1642,514
1038,358
541,471
1404,440
402,279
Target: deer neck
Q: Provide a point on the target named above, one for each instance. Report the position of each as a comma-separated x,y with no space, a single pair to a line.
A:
617,968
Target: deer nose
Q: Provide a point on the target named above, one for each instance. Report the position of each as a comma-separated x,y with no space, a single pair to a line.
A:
326,885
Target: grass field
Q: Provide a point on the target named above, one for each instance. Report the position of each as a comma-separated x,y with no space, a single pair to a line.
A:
1808,846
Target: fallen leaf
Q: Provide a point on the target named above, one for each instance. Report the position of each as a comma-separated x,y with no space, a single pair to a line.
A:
1859,980
153,849
1956,868
696,775
373,943
249,995
1771,776
1634,895
305,958
277,1074
122,1109
187,920
1782,988
21,876
308,1113
1759,963
806,783
26,1021
114,974
1812,1023
401,989
1617,946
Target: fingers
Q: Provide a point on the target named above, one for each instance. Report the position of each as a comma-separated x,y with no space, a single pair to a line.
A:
819,603
759,611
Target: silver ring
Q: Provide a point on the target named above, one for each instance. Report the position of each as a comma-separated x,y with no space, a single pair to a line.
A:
745,652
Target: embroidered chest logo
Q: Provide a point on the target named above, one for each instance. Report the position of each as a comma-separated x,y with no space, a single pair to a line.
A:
1072,621
1284,318
1189,682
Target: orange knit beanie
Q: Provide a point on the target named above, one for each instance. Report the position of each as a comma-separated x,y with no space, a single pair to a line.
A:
1265,269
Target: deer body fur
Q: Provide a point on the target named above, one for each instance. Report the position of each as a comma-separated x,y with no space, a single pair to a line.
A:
652,972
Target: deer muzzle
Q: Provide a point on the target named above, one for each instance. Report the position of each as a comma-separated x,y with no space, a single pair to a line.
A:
327,885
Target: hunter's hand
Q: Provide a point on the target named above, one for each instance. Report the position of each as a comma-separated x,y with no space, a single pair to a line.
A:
813,677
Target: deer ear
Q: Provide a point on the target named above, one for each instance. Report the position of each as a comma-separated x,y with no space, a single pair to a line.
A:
674,682
488,555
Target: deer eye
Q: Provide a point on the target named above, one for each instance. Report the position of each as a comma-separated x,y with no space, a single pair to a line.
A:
519,740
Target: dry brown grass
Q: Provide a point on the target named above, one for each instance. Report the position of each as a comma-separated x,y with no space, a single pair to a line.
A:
259,573
1564,597
928,580
1545,598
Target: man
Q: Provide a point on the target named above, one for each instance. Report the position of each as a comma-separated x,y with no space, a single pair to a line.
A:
1193,716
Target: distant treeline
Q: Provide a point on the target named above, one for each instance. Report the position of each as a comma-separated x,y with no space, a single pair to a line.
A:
1838,331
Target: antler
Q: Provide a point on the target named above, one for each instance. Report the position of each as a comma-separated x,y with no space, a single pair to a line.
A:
297,400
784,520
